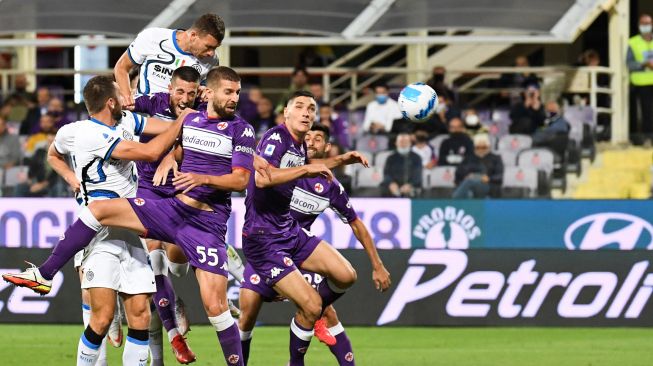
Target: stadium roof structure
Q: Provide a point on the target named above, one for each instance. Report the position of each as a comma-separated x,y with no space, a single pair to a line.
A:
314,22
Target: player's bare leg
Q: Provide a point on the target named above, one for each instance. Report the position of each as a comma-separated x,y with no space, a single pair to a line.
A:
103,303
250,305
86,316
137,311
213,291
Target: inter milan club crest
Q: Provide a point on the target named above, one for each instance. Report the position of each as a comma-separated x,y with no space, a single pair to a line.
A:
254,279
222,125
139,201
164,302
89,276
287,261
318,187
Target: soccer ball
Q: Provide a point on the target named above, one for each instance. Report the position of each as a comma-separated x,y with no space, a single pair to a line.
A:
417,102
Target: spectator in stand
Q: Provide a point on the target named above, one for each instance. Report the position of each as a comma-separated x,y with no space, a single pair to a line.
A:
555,126
438,82
528,115
457,146
446,109
481,173
337,126
10,151
32,122
42,180
640,63
381,112
279,119
40,139
299,81
248,104
519,79
265,118
473,124
316,88
402,174
56,110
423,149
20,89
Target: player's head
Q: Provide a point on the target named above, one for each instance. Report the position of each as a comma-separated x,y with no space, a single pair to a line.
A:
205,35
101,93
223,90
300,112
317,141
183,88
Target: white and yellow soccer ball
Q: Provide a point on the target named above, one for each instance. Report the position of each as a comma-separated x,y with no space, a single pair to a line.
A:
417,102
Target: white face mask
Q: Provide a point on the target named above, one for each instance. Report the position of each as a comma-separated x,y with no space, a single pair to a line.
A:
645,29
471,120
403,150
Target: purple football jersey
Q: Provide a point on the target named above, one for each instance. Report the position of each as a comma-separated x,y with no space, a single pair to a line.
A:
312,196
268,209
215,146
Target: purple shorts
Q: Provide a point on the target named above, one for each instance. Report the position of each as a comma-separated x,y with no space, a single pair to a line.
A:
200,234
148,191
274,257
252,281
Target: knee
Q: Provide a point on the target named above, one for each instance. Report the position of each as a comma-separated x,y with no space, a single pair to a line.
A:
216,308
139,317
98,210
348,278
246,322
100,322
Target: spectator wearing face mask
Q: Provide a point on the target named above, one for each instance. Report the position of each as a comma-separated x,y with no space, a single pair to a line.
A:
424,150
381,112
481,173
402,174
473,124
554,125
58,113
640,63
438,82
528,115
459,145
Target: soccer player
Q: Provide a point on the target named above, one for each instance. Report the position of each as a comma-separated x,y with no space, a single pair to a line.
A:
218,154
326,194
159,51
115,261
274,243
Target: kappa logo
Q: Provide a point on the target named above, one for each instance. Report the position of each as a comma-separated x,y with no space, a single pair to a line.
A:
248,132
621,230
274,272
287,261
233,359
446,228
275,136
224,266
196,119
254,279
222,125
90,275
318,187
349,357
139,201
62,236
163,302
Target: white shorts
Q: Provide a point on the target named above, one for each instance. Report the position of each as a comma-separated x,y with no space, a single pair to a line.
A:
121,265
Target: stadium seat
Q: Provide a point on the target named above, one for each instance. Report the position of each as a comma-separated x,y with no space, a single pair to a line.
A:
381,157
372,143
519,182
514,143
12,177
583,126
439,182
353,168
437,141
543,160
509,158
368,182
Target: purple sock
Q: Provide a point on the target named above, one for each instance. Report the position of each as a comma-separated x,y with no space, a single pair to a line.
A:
327,294
230,343
342,350
76,238
300,339
245,346
164,300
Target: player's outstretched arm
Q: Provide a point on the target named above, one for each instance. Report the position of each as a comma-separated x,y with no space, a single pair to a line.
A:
155,126
236,181
352,157
380,275
121,73
59,165
284,175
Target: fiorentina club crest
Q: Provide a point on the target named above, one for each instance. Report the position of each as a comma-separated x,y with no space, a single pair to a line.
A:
287,261
349,357
318,187
254,279
139,201
233,359
164,302
222,125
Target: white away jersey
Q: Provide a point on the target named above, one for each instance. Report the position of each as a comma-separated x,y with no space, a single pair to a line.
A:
158,53
90,144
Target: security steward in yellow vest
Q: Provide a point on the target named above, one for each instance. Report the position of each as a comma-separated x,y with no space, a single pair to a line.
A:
640,65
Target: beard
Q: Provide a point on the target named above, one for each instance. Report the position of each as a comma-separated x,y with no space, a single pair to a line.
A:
222,111
116,114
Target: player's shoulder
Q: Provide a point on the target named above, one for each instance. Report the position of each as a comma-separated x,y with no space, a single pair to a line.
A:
278,134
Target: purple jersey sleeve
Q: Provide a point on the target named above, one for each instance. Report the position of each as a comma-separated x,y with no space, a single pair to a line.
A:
244,144
272,148
340,204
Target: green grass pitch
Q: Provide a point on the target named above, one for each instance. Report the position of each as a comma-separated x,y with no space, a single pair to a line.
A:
57,344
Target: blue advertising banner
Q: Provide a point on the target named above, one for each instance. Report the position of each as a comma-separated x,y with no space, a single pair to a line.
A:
541,224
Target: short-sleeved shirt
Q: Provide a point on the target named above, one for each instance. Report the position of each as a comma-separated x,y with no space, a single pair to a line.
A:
90,144
158,53
312,196
216,147
268,209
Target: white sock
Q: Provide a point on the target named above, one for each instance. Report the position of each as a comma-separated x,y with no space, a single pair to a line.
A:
336,329
304,335
177,269
156,340
102,356
87,352
222,321
172,333
89,220
86,314
136,352
235,263
159,262
246,335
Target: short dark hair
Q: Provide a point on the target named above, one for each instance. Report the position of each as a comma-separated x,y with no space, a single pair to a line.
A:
186,73
211,24
297,70
221,73
97,91
322,128
381,85
300,93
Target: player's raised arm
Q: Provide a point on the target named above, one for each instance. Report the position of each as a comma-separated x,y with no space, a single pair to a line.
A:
352,157
121,73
